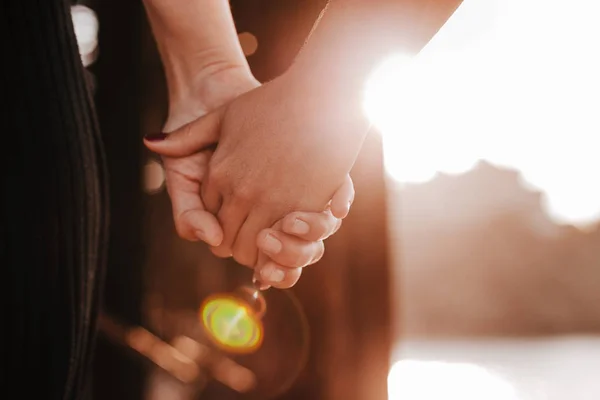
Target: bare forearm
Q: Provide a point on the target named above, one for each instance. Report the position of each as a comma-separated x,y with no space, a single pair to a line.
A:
196,40
353,36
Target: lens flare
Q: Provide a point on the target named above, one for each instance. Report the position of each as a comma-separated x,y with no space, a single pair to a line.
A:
231,324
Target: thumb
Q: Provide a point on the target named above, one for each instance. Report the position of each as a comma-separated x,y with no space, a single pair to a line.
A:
343,198
189,139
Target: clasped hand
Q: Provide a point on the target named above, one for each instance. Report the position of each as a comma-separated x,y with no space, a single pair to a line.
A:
256,180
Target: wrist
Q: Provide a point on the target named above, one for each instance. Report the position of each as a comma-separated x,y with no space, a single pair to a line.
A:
186,70
337,100
339,121
196,42
206,93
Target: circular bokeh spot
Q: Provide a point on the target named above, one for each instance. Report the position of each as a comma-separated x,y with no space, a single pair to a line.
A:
154,177
231,324
248,42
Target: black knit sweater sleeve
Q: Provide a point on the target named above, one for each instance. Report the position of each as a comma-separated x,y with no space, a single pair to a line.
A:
52,206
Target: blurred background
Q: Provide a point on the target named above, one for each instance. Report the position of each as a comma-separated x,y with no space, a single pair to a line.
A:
470,265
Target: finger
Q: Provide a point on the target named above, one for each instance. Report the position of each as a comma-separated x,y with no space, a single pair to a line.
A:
192,221
318,255
263,259
189,139
288,250
245,250
197,224
211,196
275,275
343,198
310,226
337,227
231,216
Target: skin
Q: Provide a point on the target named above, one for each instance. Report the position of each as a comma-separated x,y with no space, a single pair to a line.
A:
289,145
203,74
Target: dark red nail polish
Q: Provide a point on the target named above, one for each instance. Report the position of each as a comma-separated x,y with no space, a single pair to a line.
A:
155,137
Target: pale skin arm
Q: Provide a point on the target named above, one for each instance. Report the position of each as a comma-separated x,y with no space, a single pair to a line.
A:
319,127
353,36
205,68
201,54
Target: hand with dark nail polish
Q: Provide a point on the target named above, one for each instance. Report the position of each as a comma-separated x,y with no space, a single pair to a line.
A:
280,264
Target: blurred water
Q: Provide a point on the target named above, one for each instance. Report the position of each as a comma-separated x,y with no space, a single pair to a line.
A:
564,368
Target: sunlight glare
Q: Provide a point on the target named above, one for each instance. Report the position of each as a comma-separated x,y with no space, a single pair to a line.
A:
513,82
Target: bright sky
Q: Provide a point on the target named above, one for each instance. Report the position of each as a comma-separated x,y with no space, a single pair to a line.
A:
514,82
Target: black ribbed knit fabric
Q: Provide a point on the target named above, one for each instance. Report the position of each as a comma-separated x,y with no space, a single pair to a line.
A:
53,205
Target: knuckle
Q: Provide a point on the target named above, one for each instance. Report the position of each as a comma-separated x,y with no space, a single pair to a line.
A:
217,175
244,193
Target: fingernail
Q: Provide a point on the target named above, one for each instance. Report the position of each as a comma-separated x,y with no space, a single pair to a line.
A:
300,227
272,274
155,137
271,244
200,234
